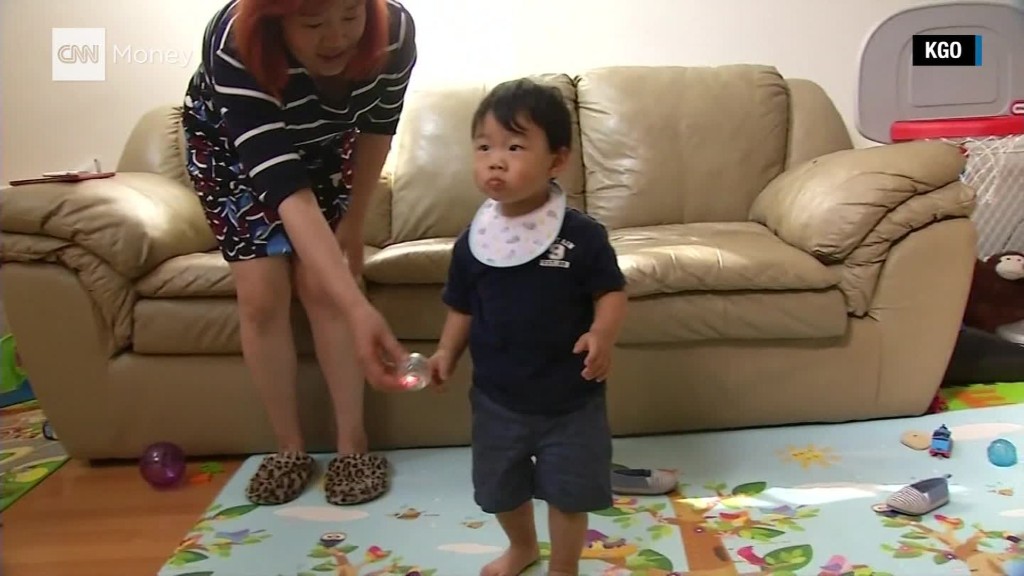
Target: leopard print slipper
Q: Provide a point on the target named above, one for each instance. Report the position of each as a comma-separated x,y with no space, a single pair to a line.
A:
280,478
355,479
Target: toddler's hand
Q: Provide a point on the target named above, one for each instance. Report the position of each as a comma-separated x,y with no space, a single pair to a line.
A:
599,355
441,366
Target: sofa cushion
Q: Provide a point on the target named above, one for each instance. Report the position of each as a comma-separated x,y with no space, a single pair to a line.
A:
415,313
433,194
714,257
199,275
655,260
686,282
414,262
199,326
740,315
696,144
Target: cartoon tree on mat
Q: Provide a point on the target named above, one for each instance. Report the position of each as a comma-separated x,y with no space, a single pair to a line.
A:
702,532
204,540
335,558
943,544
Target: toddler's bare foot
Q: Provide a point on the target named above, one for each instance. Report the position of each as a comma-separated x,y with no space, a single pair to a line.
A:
513,562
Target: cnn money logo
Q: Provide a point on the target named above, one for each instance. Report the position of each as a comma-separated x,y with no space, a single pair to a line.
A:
80,55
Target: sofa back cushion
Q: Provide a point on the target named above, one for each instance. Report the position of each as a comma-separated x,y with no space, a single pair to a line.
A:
675,145
433,194
157,145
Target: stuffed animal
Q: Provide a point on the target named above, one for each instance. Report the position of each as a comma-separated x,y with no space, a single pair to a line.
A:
997,292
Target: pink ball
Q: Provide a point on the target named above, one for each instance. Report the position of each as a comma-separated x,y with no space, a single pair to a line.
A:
162,464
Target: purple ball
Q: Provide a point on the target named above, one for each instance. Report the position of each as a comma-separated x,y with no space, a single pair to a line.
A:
162,464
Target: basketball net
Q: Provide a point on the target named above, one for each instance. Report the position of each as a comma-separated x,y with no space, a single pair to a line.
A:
994,148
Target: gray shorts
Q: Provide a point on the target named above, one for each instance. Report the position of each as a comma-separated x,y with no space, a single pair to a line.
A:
572,452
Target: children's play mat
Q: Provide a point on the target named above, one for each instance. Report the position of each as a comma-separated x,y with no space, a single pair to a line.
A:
27,455
791,500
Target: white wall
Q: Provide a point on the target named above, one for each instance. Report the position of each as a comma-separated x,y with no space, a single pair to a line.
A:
63,125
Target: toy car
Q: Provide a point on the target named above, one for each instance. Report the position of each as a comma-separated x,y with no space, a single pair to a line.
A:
942,442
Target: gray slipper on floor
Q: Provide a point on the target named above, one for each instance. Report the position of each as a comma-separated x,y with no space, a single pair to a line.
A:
643,481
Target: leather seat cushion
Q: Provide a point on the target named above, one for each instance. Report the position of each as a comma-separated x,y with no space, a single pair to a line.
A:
199,275
686,282
416,313
200,326
713,256
413,262
663,259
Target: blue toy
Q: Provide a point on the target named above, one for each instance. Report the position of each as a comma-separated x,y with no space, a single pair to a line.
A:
1002,453
942,442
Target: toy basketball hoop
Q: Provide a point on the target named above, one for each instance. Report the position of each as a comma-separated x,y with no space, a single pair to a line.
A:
994,147
979,107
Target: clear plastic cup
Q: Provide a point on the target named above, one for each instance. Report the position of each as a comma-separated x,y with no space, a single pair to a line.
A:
415,373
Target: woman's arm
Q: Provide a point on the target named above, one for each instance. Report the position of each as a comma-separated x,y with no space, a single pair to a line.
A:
378,350
315,244
371,153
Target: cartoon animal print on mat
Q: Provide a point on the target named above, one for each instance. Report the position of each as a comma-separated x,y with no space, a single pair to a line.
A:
701,531
984,552
204,541
335,557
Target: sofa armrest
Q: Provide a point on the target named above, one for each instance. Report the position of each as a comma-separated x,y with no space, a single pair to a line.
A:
849,207
862,269
133,221
828,205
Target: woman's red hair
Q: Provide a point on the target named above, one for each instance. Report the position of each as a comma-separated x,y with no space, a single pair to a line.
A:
260,41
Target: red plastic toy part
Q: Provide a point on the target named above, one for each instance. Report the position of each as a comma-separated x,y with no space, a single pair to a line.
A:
979,127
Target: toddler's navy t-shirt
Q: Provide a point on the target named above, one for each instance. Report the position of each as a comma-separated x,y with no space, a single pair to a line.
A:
527,318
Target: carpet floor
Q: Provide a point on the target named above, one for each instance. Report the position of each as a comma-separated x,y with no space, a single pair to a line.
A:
793,500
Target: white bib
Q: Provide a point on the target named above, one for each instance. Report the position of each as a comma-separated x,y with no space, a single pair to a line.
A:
503,242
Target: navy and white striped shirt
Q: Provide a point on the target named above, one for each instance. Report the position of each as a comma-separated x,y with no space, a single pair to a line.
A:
270,136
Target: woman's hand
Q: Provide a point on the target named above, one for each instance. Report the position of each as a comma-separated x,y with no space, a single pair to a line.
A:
350,239
377,349
379,352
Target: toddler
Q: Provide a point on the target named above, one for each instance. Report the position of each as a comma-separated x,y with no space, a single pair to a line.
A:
535,292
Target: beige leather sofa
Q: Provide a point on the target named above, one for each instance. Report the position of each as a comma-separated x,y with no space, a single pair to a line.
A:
775,274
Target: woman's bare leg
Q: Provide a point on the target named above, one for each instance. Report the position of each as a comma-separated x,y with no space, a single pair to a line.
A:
263,287
335,352
354,476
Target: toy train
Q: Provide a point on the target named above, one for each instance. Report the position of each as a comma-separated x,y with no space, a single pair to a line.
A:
942,442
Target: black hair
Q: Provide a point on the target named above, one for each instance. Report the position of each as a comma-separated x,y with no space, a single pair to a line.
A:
543,105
